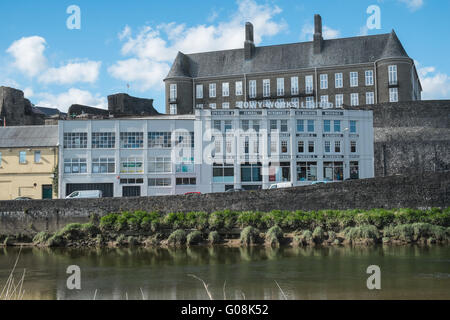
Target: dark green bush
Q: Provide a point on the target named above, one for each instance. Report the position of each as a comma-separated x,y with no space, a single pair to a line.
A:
249,236
177,238
274,236
214,237
194,238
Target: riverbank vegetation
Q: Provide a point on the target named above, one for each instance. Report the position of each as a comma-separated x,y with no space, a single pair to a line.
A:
274,228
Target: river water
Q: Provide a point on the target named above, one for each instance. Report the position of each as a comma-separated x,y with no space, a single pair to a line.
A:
407,272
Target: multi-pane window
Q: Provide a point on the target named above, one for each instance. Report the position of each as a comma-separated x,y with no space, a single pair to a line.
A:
132,165
185,166
338,80
284,146
369,77
131,140
256,125
218,146
323,81
309,85
159,182
337,125
301,147
353,79
103,165
266,88
186,181
352,126
184,140
228,125
245,124
333,171
229,146
354,99
327,146
37,157
173,109
353,146
159,165
280,87
295,102
273,125
246,145
239,88
311,126
310,102
306,171
252,89
251,172
311,145
75,165
22,157
223,173
284,126
212,90
217,125
225,89
273,146
159,140
173,92
199,91
370,98
279,171
226,105
212,105
326,125
354,170
75,140
337,146
324,101
393,94
103,140
300,125
294,85
339,100
392,74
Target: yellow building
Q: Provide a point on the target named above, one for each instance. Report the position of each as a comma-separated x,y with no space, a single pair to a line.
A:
28,157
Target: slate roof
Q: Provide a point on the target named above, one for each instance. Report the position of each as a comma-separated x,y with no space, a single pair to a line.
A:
28,136
48,111
335,52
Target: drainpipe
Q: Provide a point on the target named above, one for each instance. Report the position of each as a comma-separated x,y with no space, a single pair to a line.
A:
317,87
376,81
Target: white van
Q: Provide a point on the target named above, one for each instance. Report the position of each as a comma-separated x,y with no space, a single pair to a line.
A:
281,185
91,194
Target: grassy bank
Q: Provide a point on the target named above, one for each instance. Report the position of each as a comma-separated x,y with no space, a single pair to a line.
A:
298,228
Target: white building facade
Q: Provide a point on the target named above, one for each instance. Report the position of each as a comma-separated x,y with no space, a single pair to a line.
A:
215,150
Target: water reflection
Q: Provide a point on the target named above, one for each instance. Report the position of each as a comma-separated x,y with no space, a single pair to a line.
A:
408,272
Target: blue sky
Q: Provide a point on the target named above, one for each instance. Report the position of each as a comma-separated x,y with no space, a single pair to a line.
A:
134,42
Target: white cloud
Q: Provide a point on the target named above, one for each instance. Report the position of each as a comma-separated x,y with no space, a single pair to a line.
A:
435,84
153,49
327,32
413,4
28,92
72,72
64,100
28,54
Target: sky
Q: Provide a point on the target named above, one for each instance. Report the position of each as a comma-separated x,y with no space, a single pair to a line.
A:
59,58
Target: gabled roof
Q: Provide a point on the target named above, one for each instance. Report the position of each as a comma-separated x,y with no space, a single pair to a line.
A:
28,136
335,52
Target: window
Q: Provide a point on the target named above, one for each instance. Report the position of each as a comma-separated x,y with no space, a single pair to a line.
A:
103,140
284,146
132,181
295,102
245,125
393,94
280,172
333,171
353,79
159,182
392,75
212,105
75,165
229,144
369,78
370,98
37,157
310,102
354,170
294,86
300,125
186,181
311,146
173,109
251,172
284,126
252,89
184,140
212,90
339,100
218,146
239,88
131,140
256,125
223,173
273,125
185,166
199,91
306,171
159,165
228,125
327,146
337,125
309,86
217,125
352,126
225,89
337,147
131,165
323,81
103,165
273,146
280,87
226,105
301,147
326,125
75,140
354,99
173,92
22,157
323,101
338,80
159,140
199,105
311,126
353,146
266,88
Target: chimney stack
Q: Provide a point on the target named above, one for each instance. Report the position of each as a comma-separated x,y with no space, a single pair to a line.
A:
318,39
249,45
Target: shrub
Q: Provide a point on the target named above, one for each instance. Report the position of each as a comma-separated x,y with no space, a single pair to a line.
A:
214,237
90,229
41,238
107,222
318,235
403,232
121,240
364,232
194,238
274,236
132,241
177,238
331,236
56,240
439,233
249,236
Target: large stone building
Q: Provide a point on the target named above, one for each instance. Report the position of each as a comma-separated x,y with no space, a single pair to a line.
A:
349,71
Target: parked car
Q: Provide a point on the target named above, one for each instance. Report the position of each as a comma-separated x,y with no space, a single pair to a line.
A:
281,185
23,198
235,190
191,193
319,182
90,194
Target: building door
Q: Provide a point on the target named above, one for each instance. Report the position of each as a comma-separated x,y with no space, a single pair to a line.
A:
129,191
47,192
